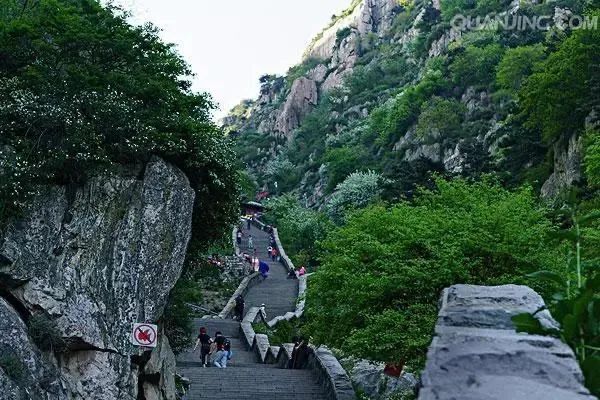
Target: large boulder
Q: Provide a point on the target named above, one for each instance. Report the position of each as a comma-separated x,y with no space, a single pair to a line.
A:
477,354
95,260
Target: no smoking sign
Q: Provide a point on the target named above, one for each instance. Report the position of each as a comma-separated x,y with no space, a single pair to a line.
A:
144,335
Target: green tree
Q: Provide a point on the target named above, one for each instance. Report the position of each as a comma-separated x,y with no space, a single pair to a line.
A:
441,118
476,66
517,64
341,162
559,97
83,92
299,228
357,191
387,266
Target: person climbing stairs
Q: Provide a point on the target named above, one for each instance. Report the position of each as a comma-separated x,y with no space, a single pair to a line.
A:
246,378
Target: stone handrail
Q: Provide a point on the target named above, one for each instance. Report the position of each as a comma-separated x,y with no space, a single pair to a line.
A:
236,248
285,260
242,289
330,373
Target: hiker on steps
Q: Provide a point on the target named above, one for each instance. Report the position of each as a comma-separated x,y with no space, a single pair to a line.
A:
204,341
222,355
274,254
255,262
302,354
239,308
263,268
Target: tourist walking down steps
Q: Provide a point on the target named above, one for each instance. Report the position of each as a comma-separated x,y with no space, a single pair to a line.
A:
204,340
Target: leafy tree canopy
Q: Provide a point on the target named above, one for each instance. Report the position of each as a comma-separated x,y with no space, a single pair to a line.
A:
82,91
381,274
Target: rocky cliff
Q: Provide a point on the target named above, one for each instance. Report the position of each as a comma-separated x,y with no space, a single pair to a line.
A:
370,82
77,270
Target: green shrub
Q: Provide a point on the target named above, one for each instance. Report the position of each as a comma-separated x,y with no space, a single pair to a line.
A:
384,270
592,159
476,66
301,70
342,34
178,318
560,95
517,64
299,228
101,93
357,191
394,118
341,162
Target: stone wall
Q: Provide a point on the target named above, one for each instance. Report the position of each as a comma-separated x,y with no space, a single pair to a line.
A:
476,353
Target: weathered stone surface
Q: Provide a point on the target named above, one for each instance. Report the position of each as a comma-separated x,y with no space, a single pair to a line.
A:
96,259
370,16
318,73
477,355
371,380
24,374
567,167
248,333
302,99
261,346
161,363
338,384
96,375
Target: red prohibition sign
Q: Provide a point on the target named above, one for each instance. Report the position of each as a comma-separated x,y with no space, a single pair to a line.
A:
145,335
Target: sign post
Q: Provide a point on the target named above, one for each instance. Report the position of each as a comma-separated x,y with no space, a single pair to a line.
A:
144,335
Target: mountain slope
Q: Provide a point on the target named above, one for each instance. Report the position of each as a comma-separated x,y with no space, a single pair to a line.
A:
391,87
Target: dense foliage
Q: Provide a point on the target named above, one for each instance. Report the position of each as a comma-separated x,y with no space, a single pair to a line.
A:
375,294
299,228
576,306
81,91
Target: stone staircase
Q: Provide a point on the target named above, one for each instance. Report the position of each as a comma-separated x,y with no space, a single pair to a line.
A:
246,377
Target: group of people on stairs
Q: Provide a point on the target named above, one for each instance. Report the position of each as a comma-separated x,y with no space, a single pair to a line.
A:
217,349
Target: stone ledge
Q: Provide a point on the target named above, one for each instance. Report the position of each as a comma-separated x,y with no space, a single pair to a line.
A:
477,354
248,334
331,374
261,346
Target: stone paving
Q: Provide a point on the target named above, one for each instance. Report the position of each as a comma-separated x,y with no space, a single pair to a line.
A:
245,377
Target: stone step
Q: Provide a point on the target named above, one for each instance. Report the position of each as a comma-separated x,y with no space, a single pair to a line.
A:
245,378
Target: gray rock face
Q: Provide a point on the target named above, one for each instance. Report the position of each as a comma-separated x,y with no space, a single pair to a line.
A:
567,167
96,260
370,16
302,99
369,377
477,355
161,363
24,374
